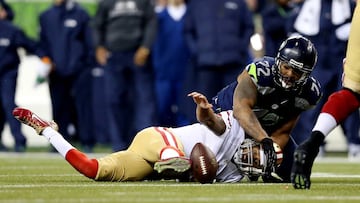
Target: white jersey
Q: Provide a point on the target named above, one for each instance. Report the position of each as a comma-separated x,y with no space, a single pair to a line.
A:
223,146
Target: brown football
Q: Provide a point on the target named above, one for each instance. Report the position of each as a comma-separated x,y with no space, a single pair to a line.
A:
204,165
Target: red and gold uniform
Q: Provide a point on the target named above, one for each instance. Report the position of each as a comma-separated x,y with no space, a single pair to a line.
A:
351,67
150,145
137,161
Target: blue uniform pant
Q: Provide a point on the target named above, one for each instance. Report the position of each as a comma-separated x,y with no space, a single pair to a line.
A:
7,94
72,104
100,123
130,99
168,93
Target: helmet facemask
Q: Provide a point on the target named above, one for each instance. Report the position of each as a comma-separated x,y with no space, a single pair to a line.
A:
251,160
288,83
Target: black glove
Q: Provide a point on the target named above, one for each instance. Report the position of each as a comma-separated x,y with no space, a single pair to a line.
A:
304,157
269,151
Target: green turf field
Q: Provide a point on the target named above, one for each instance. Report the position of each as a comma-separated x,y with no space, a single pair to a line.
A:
46,177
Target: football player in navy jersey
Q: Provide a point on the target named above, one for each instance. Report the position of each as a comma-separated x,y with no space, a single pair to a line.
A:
270,94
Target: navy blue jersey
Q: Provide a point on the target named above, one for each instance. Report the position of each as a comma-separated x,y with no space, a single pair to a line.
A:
275,106
12,38
65,37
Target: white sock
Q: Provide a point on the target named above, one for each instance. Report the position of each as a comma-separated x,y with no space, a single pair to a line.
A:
325,123
57,141
354,150
169,153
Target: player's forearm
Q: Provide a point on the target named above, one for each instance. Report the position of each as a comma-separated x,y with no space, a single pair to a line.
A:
245,96
249,122
211,120
205,115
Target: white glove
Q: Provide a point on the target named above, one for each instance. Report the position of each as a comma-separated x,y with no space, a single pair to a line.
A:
343,32
42,70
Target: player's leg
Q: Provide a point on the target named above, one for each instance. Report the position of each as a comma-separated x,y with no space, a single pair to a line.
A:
351,130
332,115
149,147
116,101
164,149
120,166
144,99
351,66
339,105
7,95
3,148
123,166
336,109
152,148
164,100
81,93
77,159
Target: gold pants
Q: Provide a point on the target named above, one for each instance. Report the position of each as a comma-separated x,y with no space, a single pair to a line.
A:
137,161
352,64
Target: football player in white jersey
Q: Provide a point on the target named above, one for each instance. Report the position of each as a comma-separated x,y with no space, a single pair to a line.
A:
159,148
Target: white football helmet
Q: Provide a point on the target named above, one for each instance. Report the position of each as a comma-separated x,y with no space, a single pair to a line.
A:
250,158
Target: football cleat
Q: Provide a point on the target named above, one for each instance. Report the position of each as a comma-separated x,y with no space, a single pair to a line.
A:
27,117
176,164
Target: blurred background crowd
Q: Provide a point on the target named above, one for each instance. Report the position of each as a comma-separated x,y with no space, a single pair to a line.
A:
114,67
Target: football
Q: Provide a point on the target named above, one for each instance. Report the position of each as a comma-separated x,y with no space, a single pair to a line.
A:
203,164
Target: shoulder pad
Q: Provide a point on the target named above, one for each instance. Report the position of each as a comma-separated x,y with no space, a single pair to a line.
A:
261,71
312,90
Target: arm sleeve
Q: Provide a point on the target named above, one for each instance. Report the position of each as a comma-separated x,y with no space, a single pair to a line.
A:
43,44
247,26
21,40
150,26
98,24
189,30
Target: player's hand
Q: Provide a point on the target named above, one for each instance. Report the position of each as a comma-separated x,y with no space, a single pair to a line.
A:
304,157
269,151
102,55
141,56
43,69
200,100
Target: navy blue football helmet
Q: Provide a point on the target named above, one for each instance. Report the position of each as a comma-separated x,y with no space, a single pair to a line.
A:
299,53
